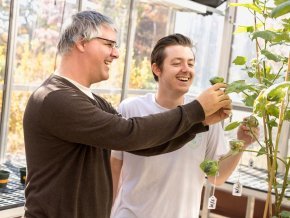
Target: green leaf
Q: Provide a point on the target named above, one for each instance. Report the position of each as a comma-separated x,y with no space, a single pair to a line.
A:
261,151
286,24
281,9
278,2
232,126
267,82
251,74
236,86
277,92
287,115
216,79
272,109
265,34
244,29
250,99
259,104
273,123
285,214
247,5
240,60
282,37
271,56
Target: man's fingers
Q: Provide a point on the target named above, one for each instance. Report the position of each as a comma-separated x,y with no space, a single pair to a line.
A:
227,111
213,99
220,92
219,86
225,103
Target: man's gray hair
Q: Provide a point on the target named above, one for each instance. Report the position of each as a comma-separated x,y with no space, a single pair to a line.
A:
83,25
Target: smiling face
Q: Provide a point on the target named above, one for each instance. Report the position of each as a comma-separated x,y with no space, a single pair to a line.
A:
100,53
177,71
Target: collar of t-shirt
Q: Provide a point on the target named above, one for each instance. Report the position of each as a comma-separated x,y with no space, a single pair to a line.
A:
84,89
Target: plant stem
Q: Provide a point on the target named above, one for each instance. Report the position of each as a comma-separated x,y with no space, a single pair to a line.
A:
253,151
287,77
245,93
285,179
283,108
268,202
255,137
279,71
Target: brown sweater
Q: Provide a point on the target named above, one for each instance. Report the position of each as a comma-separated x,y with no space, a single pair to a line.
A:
68,138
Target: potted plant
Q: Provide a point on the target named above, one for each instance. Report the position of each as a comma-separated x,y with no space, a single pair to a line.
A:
4,175
268,95
22,172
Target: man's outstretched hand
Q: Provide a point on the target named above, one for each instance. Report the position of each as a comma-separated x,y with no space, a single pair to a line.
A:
218,116
215,103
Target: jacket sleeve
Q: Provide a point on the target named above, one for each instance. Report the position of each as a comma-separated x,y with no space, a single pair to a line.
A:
173,144
73,117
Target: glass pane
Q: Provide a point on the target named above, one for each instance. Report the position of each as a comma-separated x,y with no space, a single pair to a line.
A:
206,33
155,21
113,99
152,23
39,25
4,25
243,46
118,10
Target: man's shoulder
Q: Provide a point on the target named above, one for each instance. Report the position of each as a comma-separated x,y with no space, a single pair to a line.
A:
137,100
137,106
55,91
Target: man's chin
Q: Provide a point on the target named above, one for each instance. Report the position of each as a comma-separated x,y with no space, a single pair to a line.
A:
105,76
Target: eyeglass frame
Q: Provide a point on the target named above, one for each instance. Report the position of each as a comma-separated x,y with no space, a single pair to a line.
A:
113,45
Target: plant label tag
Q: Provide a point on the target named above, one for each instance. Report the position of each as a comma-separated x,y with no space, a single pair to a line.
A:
212,202
237,189
251,163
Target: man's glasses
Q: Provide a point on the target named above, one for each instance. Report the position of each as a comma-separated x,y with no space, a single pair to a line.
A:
110,43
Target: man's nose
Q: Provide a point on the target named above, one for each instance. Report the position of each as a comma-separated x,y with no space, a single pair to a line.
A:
184,67
115,53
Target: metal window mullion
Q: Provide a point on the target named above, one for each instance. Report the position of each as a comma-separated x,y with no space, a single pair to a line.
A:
8,76
80,5
226,51
129,48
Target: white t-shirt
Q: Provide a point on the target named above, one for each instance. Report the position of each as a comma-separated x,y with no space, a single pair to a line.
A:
167,185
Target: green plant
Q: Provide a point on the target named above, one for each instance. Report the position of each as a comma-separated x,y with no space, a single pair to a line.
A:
269,94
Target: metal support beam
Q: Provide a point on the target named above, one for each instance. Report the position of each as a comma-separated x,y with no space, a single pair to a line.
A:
8,76
225,57
250,207
80,5
129,49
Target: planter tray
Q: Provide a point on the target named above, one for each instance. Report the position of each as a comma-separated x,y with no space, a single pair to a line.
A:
13,195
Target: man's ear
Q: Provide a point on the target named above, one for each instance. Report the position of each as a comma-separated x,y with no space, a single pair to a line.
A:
80,45
155,69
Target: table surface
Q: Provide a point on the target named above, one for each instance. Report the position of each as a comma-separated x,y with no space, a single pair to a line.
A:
253,178
13,195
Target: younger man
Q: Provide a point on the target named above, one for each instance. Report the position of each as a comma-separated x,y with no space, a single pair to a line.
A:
168,185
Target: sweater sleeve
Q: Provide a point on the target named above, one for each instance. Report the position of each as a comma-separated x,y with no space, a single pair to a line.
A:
72,117
173,144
